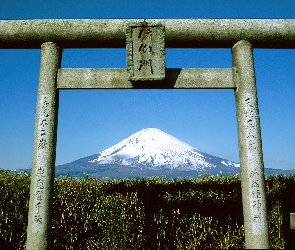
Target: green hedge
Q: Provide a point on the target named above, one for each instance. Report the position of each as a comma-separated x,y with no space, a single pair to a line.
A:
150,213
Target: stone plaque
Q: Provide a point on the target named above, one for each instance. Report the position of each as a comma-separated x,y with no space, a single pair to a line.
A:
145,48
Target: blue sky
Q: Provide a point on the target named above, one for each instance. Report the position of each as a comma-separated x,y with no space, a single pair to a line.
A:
93,120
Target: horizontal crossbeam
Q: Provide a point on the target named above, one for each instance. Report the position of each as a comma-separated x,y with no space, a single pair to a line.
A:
188,78
180,33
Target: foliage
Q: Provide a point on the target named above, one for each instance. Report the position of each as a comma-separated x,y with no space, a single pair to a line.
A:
14,202
149,213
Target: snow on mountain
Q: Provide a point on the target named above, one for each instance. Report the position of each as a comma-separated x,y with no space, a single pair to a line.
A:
154,149
151,152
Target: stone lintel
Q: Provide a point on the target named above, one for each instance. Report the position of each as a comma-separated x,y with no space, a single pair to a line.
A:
187,78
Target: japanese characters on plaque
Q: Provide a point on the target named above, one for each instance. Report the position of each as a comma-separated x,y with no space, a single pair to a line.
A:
250,121
145,48
42,141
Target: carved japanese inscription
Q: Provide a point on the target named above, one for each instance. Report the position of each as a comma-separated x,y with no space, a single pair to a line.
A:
250,122
145,51
42,145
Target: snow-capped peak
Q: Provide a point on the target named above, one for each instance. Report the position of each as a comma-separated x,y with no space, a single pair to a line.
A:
151,147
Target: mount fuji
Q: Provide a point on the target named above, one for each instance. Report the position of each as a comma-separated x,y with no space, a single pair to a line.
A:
149,152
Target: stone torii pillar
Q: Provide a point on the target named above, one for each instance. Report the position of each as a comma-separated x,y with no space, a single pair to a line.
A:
250,148
42,175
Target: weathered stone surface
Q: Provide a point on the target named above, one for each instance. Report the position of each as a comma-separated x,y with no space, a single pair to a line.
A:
145,48
188,78
250,148
43,165
180,33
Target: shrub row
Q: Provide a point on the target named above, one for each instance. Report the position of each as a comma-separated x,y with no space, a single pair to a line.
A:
149,213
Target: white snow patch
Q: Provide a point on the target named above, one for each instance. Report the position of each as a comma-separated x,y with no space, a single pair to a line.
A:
224,163
130,151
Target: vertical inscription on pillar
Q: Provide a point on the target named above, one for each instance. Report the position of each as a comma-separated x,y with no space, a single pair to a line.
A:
42,151
251,123
145,51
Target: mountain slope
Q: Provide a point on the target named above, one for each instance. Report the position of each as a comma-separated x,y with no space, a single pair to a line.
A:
149,152
154,148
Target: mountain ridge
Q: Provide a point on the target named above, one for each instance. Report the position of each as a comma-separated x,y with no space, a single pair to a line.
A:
150,151
152,147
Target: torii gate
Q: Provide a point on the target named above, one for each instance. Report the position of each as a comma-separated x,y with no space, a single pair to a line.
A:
146,41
